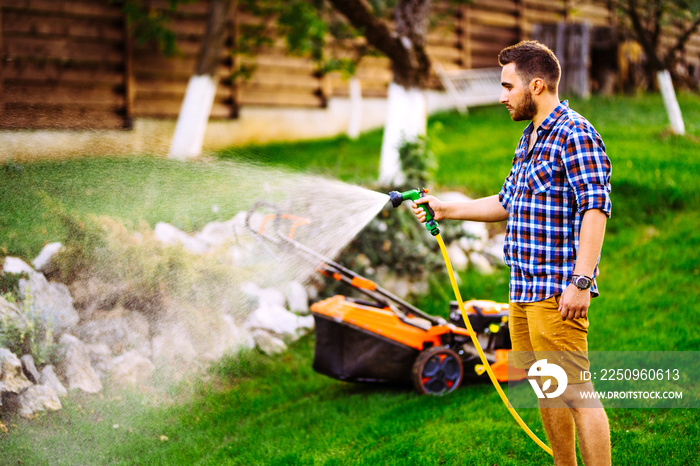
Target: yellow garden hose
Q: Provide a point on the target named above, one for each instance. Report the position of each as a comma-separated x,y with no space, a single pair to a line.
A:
481,352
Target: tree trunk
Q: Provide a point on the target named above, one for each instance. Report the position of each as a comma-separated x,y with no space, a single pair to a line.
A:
405,121
405,47
201,89
672,108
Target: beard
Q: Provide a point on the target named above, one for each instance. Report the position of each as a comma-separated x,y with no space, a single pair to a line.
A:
526,110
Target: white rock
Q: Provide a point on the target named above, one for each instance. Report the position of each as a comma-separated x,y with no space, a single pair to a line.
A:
38,398
172,347
10,314
297,298
275,319
16,265
228,338
100,358
215,234
481,263
169,234
52,302
453,196
476,230
12,378
46,255
119,329
131,369
263,296
29,368
494,248
458,258
268,344
49,378
306,323
76,365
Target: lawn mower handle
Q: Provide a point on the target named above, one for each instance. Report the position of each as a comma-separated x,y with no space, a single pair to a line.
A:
331,267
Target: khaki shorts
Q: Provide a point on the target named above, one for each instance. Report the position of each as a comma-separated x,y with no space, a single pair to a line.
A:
537,332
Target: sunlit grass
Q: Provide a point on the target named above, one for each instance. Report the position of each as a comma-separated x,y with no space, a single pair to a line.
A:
276,410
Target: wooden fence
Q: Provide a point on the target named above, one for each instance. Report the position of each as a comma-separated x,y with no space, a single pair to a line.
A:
73,64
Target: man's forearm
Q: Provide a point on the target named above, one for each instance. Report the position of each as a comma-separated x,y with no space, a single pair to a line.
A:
590,241
486,209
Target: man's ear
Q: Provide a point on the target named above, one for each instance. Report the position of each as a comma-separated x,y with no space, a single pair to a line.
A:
537,86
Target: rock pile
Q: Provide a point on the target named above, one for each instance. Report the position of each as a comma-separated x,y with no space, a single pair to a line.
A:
103,338
100,341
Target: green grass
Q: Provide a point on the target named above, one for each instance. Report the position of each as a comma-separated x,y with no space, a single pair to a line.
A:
261,410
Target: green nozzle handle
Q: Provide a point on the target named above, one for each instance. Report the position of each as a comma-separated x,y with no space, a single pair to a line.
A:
414,194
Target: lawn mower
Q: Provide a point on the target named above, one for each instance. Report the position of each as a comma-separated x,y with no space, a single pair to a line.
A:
381,338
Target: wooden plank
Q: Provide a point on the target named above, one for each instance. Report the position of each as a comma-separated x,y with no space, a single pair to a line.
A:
556,6
144,64
20,23
86,8
170,90
492,19
129,78
500,6
189,27
486,48
294,64
465,33
488,33
64,95
280,99
19,116
447,53
304,82
58,73
444,39
593,13
198,8
533,17
64,49
489,61
168,108
3,65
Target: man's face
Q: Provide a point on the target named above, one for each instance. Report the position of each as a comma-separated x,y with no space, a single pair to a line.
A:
516,95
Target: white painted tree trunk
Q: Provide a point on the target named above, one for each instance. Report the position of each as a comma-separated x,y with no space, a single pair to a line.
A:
405,120
671,103
355,123
193,118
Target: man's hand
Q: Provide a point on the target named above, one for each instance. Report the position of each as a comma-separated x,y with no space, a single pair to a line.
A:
434,204
574,303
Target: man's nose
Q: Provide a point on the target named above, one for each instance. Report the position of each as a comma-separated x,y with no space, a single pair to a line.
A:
504,97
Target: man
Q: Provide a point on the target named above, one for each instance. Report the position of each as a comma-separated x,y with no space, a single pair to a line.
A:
557,201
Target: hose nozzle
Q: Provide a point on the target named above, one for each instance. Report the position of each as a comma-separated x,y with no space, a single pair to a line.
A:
397,198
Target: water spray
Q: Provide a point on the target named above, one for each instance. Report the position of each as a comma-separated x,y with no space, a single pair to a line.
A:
396,199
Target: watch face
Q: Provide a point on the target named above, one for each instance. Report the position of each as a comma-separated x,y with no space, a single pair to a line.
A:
582,282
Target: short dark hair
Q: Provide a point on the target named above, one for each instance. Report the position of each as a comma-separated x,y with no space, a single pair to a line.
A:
532,60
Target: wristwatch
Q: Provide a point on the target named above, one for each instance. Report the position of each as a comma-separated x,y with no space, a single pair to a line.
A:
582,282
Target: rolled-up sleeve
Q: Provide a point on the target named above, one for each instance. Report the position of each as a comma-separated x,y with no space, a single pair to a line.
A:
505,196
588,170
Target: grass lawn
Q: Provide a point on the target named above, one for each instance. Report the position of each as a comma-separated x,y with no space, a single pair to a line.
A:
262,410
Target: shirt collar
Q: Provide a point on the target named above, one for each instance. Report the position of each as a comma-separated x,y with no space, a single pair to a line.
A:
554,116
551,118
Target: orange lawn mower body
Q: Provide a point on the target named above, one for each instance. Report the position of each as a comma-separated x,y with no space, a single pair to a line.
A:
384,339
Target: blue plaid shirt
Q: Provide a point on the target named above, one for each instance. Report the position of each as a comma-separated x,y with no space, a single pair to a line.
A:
546,194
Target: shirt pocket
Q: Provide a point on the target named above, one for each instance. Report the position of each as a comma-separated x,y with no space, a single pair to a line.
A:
539,176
